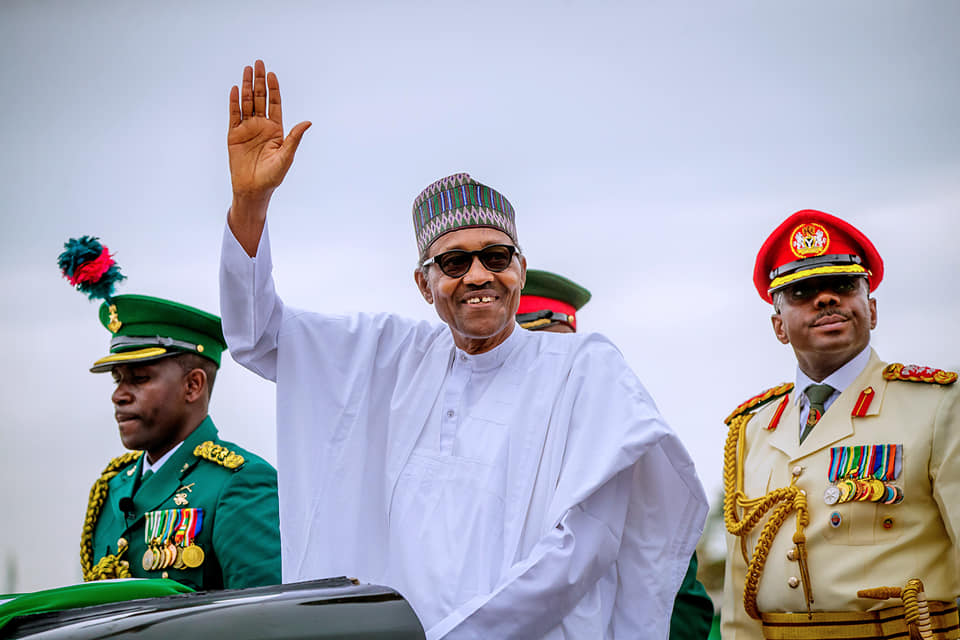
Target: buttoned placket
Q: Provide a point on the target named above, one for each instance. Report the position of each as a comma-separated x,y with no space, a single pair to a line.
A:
460,374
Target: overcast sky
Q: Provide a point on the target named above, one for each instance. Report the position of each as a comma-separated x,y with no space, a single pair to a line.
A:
648,148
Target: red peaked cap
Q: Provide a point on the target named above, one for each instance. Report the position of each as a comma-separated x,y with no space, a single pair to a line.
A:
812,244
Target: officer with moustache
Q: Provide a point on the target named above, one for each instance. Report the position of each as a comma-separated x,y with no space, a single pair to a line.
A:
841,488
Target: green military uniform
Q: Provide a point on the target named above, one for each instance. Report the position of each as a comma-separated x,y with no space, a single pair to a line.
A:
548,300
239,533
693,613
209,516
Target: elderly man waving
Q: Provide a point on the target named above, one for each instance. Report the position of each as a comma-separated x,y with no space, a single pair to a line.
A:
510,484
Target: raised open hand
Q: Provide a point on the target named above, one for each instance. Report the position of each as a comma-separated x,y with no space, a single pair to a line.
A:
259,154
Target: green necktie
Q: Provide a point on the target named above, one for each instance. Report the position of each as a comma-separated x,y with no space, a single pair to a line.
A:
818,394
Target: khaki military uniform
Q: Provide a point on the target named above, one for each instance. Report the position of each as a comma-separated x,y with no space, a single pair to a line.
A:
855,545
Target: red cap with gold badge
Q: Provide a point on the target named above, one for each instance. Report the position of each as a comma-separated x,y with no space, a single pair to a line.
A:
812,244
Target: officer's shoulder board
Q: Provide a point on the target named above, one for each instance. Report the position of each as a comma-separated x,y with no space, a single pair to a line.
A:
759,400
218,454
120,462
916,373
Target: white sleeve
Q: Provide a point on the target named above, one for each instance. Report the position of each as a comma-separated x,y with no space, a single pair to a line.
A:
538,592
250,308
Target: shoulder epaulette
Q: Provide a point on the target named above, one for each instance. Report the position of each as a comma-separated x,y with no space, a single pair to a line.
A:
760,399
218,454
916,373
120,462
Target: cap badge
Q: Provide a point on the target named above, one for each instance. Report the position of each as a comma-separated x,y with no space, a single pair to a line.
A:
809,239
114,324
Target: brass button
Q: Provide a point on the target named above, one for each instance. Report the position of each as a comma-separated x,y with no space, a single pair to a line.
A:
164,575
121,542
797,470
793,582
792,555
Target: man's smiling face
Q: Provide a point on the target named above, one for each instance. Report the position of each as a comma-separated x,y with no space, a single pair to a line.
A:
479,306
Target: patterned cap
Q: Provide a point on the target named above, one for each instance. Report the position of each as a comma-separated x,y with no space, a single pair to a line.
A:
811,244
459,202
145,328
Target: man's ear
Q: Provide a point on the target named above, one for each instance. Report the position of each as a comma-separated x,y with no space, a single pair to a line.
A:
778,329
421,279
872,303
523,271
195,385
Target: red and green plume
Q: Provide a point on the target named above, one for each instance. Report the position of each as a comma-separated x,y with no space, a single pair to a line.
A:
88,266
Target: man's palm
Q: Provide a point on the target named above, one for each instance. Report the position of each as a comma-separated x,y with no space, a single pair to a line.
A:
258,160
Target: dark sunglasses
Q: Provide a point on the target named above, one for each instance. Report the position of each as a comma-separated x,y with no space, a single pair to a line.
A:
456,263
807,289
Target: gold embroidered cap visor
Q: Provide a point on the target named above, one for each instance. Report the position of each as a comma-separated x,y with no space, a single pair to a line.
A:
810,271
145,328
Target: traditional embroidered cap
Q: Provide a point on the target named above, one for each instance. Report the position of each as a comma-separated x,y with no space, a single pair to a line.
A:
145,328
547,298
459,202
811,244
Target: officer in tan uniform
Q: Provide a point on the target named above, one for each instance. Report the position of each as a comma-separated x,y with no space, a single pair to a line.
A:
848,480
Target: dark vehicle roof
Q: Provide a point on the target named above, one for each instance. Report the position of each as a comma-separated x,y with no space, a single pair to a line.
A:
331,608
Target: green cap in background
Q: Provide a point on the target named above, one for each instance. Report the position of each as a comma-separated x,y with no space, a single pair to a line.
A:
547,298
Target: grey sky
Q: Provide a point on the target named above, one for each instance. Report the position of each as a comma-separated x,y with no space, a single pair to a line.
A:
648,148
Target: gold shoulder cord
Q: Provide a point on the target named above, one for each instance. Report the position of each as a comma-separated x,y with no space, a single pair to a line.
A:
742,514
109,566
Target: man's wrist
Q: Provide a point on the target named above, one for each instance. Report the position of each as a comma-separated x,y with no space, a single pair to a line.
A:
247,218
250,205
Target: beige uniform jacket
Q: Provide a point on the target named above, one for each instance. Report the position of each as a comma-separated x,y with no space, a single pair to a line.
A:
870,544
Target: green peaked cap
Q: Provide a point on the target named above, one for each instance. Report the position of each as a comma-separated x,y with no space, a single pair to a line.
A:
145,328
545,284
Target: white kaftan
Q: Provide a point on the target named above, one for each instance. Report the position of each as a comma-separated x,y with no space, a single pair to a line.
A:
530,491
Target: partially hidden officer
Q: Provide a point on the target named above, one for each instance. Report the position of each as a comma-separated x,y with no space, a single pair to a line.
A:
182,504
841,488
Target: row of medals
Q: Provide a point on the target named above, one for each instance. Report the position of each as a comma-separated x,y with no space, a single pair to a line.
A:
160,555
869,490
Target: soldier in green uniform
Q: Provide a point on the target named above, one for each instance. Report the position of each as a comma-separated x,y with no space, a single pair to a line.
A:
549,302
182,504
